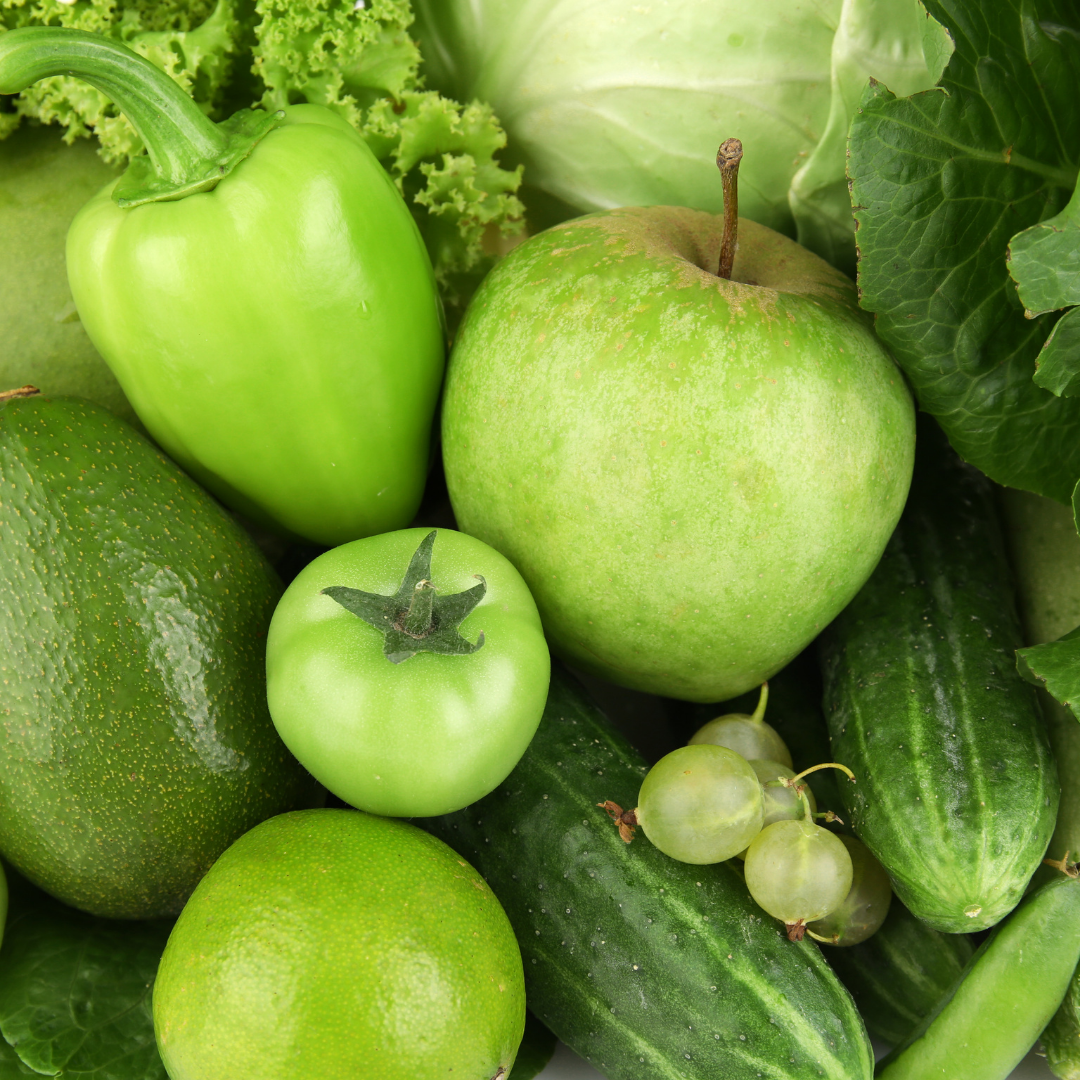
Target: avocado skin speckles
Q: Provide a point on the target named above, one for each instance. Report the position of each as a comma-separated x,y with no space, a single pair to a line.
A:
135,742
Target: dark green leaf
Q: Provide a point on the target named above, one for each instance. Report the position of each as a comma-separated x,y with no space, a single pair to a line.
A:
75,994
941,182
1059,362
1055,666
1044,261
11,1065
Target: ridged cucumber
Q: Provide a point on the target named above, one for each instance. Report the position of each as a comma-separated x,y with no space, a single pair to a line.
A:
956,789
899,975
643,965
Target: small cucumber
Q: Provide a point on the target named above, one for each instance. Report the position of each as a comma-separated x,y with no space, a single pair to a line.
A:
643,965
899,975
956,790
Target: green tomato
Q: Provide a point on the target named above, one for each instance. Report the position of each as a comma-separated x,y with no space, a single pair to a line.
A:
408,671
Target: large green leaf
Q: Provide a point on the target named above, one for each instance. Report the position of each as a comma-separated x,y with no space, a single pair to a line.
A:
75,995
941,182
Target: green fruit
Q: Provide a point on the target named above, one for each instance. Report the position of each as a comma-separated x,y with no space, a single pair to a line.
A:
42,340
701,804
332,943
693,475
135,742
866,905
418,721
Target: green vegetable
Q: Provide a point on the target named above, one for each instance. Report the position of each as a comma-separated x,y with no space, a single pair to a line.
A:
898,975
941,183
356,59
643,965
1045,554
192,41
1001,1003
657,449
361,63
956,791
408,671
202,306
42,341
135,743
615,105
75,995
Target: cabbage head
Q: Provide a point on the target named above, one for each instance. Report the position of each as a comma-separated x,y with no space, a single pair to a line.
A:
614,103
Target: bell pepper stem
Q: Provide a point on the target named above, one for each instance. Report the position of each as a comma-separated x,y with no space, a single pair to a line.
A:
187,151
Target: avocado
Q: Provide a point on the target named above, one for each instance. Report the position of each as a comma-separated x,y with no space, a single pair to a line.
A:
135,741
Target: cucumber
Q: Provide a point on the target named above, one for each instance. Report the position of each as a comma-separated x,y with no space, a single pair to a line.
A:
956,789
899,975
644,966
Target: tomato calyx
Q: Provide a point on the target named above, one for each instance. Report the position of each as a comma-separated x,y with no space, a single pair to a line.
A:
416,618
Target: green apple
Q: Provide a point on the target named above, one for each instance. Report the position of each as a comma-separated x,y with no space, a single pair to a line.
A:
693,475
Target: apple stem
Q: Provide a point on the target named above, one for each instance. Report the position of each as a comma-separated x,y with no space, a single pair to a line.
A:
727,161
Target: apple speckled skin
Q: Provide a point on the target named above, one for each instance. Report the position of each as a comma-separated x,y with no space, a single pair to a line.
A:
693,475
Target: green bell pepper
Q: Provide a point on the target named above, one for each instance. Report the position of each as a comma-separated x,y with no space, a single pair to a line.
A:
261,293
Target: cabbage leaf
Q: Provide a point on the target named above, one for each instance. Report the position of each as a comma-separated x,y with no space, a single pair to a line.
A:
942,183
611,104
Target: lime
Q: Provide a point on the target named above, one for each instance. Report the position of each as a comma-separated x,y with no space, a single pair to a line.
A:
329,944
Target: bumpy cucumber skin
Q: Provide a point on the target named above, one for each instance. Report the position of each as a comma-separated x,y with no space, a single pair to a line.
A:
643,965
898,975
956,790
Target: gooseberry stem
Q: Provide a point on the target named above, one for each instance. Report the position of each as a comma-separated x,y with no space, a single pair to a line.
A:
825,765
800,789
727,161
763,700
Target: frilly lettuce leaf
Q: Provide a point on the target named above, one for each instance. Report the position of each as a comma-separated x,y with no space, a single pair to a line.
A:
194,41
359,60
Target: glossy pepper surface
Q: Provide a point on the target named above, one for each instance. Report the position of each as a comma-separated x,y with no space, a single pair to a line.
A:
262,294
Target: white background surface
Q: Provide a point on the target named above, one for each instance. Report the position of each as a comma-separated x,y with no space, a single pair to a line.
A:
566,1065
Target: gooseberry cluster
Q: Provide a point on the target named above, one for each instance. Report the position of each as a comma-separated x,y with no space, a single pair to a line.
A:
732,792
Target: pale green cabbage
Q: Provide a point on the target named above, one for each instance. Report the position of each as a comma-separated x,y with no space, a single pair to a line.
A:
611,103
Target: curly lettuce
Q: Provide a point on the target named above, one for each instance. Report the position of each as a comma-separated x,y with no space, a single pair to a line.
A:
357,58
194,41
